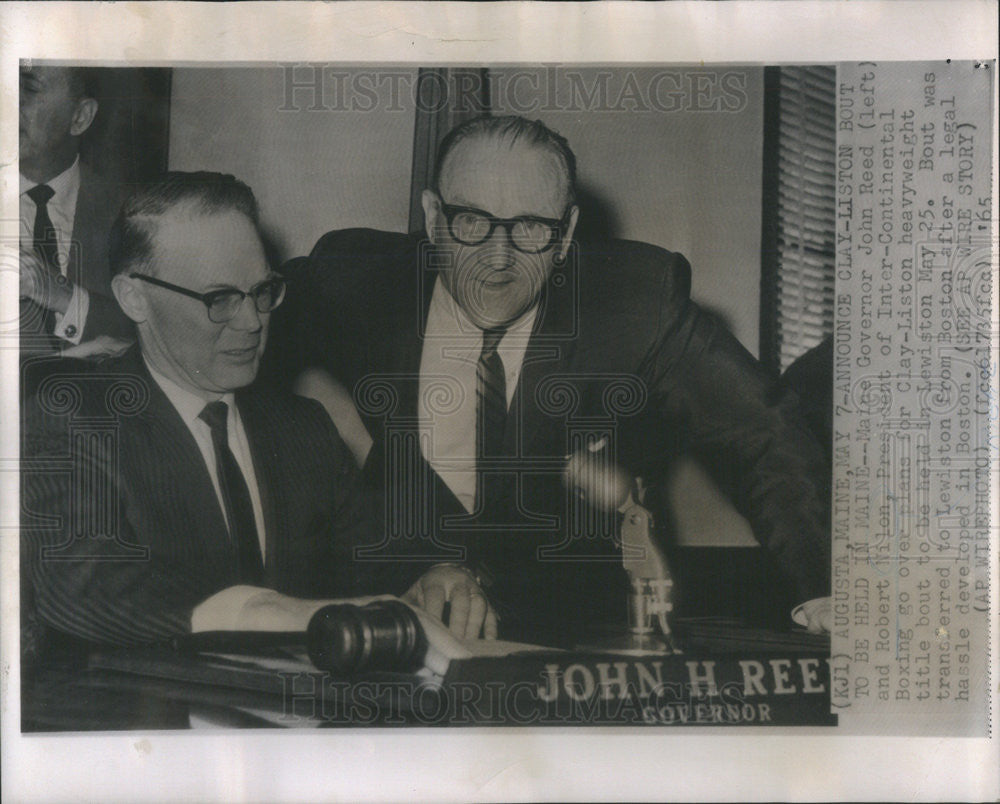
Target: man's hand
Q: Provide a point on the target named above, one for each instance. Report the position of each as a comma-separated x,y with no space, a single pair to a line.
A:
42,284
599,483
817,615
470,612
100,347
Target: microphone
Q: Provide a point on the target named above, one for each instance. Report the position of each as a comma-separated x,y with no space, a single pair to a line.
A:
606,486
385,635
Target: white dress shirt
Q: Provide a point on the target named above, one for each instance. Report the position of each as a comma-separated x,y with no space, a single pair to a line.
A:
448,361
62,212
190,406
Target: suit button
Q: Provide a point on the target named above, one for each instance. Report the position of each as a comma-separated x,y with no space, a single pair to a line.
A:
70,331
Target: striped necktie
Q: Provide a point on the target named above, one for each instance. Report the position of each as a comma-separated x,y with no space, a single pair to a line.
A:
491,406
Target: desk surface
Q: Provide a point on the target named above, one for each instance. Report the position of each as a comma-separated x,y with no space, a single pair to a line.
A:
726,675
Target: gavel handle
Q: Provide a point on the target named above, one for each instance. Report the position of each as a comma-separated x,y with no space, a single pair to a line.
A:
238,642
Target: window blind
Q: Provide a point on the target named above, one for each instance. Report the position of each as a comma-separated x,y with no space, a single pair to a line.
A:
799,211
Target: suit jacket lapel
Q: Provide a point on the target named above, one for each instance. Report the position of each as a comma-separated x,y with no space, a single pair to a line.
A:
262,451
165,426
86,231
407,327
550,349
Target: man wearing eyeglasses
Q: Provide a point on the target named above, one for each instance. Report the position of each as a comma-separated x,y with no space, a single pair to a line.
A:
181,496
500,346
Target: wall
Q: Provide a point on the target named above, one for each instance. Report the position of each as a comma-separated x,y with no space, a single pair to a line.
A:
313,169
672,157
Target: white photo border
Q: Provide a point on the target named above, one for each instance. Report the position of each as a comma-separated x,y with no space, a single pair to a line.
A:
480,764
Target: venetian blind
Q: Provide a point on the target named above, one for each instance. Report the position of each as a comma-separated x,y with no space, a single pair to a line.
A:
799,212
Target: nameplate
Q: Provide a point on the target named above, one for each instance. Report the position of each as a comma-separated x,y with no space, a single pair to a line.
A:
756,689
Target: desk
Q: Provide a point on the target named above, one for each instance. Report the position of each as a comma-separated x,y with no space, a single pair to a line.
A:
727,675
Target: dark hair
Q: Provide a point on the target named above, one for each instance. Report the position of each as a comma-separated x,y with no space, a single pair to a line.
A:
202,193
84,82
512,129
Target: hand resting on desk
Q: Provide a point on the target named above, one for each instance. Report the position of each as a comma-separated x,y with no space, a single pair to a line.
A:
470,613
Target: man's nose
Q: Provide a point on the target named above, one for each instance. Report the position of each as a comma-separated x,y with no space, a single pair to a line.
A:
502,238
247,317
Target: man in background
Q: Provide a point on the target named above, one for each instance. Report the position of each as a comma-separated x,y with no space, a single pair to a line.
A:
483,355
66,212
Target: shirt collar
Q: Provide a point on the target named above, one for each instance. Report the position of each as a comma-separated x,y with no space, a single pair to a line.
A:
447,318
65,186
188,404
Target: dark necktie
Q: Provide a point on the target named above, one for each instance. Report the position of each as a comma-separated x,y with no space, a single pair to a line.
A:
44,234
44,240
235,495
491,408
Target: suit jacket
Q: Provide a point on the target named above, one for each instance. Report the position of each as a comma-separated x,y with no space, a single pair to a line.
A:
618,348
97,205
811,377
122,533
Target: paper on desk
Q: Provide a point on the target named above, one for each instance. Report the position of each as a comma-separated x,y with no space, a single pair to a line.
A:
491,648
248,608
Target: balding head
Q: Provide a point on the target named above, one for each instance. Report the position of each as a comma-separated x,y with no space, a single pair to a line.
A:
501,215
511,132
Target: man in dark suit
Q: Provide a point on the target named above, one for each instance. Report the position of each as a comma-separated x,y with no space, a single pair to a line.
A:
483,356
161,491
66,212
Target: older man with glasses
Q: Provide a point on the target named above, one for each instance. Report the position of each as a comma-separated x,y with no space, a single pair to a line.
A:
482,354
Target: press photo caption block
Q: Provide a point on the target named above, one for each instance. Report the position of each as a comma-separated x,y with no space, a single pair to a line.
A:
914,393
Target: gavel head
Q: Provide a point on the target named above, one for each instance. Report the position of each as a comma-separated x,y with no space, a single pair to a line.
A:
384,635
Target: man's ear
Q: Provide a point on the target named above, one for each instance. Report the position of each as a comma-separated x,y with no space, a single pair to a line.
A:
432,211
567,237
83,116
131,298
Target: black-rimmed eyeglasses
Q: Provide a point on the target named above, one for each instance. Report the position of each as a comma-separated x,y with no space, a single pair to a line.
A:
225,303
527,233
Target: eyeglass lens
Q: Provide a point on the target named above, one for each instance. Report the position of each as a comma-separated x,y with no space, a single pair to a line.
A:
527,235
266,297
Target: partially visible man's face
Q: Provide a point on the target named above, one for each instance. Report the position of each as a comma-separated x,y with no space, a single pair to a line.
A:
204,253
46,121
494,283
